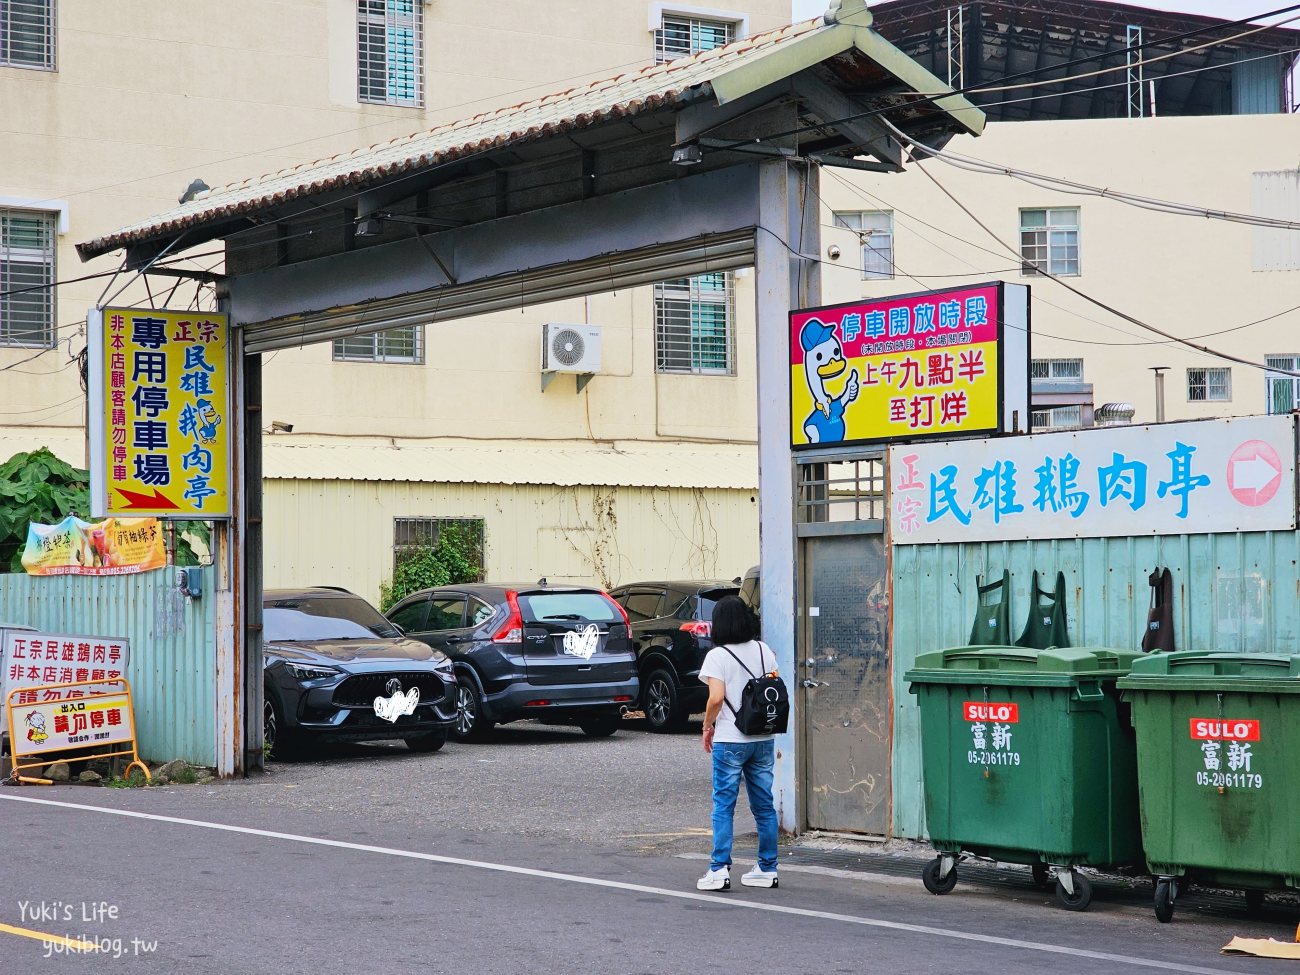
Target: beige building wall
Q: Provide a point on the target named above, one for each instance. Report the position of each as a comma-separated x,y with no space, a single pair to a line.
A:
325,532
1188,276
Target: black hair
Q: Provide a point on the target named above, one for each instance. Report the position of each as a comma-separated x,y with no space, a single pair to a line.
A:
733,623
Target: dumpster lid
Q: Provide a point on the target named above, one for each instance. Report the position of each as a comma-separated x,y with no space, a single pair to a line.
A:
1199,670
1024,665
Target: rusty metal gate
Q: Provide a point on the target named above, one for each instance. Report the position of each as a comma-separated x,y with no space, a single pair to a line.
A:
845,646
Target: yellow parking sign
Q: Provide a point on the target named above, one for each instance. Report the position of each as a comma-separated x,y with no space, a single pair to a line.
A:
159,413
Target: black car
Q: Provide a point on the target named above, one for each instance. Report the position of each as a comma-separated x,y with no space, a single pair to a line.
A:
334,667
670,625
561,654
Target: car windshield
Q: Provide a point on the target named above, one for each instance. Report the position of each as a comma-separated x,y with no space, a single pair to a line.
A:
593,607
323,618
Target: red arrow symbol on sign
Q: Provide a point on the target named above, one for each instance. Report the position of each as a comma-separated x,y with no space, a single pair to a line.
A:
137,500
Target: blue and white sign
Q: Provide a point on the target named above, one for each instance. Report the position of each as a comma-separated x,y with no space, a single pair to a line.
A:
1198,477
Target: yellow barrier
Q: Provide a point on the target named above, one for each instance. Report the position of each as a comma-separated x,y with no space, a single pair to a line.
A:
56,725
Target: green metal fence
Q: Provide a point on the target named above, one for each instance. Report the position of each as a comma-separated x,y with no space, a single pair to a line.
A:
173,655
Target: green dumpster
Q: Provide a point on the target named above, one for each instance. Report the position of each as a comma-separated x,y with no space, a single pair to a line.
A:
1218,780
1026,758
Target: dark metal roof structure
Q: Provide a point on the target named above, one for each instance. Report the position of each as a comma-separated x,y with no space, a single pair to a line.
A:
1003,39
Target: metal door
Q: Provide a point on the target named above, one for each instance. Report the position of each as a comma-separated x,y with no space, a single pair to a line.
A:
846,690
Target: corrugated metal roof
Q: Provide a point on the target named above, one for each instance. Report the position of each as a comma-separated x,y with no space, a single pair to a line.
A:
725,72
563,463
628,94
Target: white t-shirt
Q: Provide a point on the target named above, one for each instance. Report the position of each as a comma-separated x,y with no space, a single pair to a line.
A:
720,664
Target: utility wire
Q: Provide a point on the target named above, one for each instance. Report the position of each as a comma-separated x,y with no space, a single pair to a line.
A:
1226,356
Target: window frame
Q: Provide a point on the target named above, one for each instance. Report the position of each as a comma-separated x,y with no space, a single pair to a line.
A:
390,22
50,41
1280,361
656,594
1030,267
339,348
436,598
736,23
423,603
843,218
1052,423
44,256
1051,367
423,530
1207,385
668,359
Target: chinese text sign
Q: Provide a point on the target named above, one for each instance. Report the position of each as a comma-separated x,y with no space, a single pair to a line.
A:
1171,479
909,367
29,659
50,726
160,413
114,547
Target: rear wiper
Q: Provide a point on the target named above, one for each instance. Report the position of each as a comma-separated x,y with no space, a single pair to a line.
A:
563,616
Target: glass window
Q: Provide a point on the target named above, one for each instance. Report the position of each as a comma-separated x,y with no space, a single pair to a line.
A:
405,344
446,613
411,616
390,52
413,535
875,228
323,618
27,33
1049,241
1057,418
643,605
708,599
679,37
593,606
1281,391
1056,369
479,612
694,331
1209,385
27,278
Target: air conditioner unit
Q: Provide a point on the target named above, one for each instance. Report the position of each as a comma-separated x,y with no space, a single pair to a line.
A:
570,349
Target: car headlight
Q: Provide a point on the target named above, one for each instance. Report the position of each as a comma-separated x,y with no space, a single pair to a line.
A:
441,661
305,672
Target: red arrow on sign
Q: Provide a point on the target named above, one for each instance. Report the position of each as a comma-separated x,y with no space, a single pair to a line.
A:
136,500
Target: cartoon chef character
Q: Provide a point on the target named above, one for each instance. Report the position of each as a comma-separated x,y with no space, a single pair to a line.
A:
208,420
823,359
36,727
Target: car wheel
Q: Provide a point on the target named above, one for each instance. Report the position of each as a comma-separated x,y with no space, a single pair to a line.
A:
661,704
279,740
601,727
430,742
470,724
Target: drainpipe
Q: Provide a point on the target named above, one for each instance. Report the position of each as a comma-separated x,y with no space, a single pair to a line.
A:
1160,392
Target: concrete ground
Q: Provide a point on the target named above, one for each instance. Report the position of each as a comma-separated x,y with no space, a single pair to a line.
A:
541,851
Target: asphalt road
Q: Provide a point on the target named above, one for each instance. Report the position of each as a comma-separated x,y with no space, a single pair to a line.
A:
463,861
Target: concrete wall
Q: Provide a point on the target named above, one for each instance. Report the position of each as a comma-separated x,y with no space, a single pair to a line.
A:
340,533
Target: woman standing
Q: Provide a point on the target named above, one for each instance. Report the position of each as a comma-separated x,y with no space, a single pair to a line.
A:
737,656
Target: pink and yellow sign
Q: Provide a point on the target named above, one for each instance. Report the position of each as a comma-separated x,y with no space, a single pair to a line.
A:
908,367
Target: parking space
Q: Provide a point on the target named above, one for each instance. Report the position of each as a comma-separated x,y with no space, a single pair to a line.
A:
635,790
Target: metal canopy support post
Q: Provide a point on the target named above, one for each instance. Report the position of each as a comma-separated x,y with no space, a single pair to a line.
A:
1133,72
251,510
228,592
788,214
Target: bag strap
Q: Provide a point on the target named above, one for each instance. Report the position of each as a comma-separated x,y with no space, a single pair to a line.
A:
746,670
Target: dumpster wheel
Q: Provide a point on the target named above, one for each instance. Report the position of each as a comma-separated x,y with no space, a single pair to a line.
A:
934,879
1079,897
1166,892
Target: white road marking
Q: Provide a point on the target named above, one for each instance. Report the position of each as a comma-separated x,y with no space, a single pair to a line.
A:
718,900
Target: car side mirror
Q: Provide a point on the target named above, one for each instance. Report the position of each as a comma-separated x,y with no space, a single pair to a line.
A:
400,631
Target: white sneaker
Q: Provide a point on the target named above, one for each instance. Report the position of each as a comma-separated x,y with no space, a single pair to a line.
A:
758,877
715,880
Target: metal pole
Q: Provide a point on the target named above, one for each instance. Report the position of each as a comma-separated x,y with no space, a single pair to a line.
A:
252,610
1160,392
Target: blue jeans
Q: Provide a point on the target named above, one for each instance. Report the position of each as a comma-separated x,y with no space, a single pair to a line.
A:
754,761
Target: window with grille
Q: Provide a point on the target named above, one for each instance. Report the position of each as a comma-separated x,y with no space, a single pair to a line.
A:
1057,418
27,278
875,228
413,535
694,330
1282,392
1049,241
405,344
849,490
679,37
27,34
390,52
1209,385
1057,370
